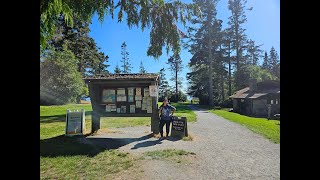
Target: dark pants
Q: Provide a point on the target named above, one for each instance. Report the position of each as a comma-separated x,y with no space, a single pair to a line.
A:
162,122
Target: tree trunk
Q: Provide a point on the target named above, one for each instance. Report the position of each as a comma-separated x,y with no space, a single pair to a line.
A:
222,86
210,62
229,77
177,81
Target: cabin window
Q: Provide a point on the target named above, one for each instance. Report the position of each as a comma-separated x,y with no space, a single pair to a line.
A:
271,101
242,100
276,101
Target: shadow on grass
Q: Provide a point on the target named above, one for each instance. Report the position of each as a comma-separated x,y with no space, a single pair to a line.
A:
57,118
82,145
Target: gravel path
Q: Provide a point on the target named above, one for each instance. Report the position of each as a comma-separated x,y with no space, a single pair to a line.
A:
224,150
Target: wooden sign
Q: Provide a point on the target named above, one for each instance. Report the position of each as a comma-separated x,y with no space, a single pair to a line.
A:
179,127
75,123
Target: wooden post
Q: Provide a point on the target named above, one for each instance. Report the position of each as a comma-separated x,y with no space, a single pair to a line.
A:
95,124
95,116
155,118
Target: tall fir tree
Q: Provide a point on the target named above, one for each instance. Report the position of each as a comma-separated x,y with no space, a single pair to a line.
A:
164,85
205,47
274,62
142,69
176,67
265,64
236,21
253,52
126,66
101,67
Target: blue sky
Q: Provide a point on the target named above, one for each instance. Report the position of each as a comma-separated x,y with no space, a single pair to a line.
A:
263,26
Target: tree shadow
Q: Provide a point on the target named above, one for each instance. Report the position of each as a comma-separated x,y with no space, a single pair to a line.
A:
57,118
82,145
67,146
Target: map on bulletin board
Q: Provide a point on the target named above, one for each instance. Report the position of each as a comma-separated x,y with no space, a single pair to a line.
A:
108,96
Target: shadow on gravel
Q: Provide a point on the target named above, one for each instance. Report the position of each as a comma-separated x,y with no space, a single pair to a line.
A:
147,144
115,143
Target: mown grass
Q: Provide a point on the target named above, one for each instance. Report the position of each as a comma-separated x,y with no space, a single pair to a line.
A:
101,166
66,158
268,128
167,153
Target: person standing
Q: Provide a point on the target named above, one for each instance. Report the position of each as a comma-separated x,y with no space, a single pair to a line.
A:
166,113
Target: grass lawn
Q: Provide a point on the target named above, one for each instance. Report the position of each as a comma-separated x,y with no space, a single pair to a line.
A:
172,155
268,128
66,158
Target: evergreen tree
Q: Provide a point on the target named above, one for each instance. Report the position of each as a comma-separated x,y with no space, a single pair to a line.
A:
126,66
163,86
253,52
274,62
142,69
117,70
236,21
175,63
207,53
265,64
160,16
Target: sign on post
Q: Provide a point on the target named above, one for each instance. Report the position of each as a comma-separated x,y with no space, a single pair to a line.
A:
75,123
179,127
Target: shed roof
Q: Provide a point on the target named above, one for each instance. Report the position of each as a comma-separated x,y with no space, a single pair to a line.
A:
245,93
131,76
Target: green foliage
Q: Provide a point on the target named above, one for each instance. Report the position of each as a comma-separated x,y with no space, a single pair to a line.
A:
125,59
274,62
90,61
268,128
252,71
238,37
208,62
142,69
117,70
253,53
160,16
164,88
176,67
60,83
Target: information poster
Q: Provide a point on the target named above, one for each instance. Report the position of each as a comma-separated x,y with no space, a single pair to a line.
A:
138,97
138,104
132,109
153,90
130,91
146,92
138,91
108,96
130,98
108,108
123,109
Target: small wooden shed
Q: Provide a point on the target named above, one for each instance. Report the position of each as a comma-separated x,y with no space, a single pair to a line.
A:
255,99
124,95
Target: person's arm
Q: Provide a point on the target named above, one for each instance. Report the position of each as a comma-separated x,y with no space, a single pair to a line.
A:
159,113
173,110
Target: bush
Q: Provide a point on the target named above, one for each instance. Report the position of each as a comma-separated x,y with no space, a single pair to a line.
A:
60,82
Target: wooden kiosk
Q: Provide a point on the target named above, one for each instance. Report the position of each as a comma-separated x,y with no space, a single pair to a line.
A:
124,95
